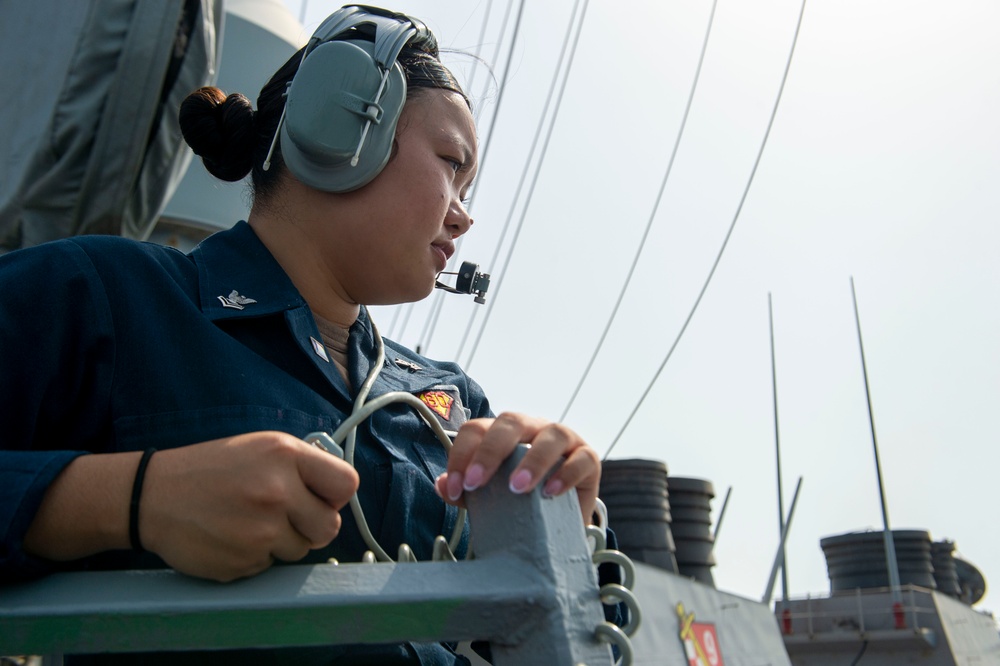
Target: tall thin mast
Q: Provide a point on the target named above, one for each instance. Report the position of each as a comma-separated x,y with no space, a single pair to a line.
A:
890,547
777,455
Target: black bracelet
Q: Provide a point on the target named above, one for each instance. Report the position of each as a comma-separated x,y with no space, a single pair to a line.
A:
133,511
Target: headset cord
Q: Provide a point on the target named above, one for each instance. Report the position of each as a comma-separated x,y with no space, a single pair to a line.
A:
347,433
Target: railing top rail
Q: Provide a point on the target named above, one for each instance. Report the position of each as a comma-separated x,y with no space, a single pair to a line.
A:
531,591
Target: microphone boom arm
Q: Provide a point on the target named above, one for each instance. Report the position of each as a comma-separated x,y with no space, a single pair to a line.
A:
469,281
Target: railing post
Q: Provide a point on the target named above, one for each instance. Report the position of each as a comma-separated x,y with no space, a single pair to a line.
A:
547,535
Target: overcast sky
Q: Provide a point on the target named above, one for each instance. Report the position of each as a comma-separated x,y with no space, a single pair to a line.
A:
883,164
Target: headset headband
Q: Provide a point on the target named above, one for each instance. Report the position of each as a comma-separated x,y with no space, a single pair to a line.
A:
392,31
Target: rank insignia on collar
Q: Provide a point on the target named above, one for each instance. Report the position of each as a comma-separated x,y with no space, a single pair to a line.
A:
407,365
439,401
319,349
235,300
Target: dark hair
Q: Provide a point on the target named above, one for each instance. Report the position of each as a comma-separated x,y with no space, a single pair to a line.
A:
233,140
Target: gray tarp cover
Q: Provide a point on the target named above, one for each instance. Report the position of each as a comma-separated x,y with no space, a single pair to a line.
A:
90,142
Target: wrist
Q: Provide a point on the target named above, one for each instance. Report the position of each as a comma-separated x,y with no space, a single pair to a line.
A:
85,510
135,539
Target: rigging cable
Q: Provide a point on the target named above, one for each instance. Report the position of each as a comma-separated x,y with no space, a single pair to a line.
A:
486,143
649,223
534,180
424,340
479,45
500,96
407,312
486,147
392,324
725,241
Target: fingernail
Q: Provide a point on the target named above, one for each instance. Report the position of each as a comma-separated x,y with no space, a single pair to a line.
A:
437,485
520,481
454,486
474,476
552,488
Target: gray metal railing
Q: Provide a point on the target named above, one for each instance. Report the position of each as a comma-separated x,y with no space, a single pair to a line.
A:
531,592
861,605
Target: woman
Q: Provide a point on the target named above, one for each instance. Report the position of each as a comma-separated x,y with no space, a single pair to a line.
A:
222,360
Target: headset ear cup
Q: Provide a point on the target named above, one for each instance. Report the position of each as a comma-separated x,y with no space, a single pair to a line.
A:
328,105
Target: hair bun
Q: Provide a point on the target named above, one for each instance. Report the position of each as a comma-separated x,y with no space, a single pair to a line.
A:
220,130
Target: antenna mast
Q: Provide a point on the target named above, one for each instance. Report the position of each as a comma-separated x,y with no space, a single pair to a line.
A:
777,455
890,547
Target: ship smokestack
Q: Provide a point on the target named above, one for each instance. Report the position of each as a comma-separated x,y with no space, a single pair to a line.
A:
857,559
691,509
945,572
635,492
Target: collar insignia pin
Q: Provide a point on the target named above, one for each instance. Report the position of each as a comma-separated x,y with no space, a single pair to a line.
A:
319,349
235,300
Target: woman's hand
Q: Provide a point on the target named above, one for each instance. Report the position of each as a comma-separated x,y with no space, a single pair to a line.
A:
229,508
222,509
483,444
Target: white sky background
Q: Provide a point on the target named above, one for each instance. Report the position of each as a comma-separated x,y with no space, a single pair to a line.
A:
883,164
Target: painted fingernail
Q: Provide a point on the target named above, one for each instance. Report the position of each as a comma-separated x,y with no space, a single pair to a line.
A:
552,488
474,476
454,486
520,482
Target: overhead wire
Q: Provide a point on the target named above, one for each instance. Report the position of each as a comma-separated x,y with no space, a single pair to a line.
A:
534,181
649,222
725,242
488,142
477,55
430,323
390,330
437,306
404,320
423,341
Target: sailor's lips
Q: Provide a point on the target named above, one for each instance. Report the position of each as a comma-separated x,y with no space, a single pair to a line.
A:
443,252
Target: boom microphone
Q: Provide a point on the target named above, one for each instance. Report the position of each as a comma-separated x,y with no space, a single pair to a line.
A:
468,281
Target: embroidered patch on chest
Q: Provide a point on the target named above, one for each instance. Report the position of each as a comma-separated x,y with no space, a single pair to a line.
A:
439,401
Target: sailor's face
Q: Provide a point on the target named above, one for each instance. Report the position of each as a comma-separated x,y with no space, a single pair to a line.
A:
407,219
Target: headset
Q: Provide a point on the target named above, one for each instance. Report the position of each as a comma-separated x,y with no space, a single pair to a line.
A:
342,106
